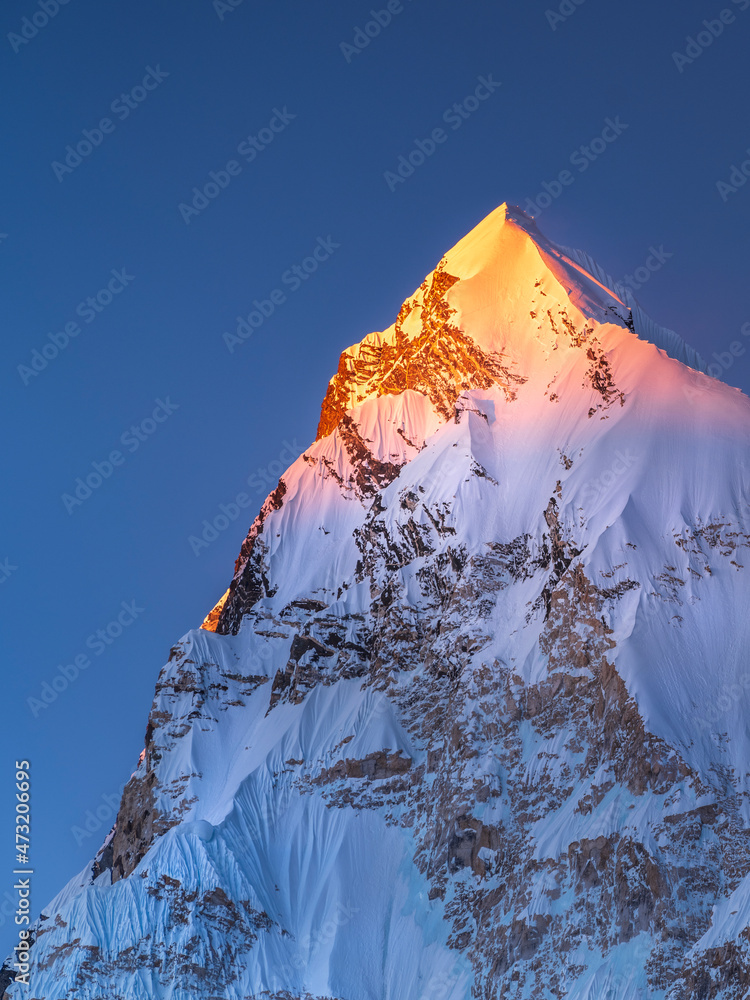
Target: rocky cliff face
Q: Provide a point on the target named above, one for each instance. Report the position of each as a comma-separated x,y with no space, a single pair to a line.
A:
470,720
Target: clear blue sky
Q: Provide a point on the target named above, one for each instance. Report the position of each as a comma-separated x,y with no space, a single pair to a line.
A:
313,130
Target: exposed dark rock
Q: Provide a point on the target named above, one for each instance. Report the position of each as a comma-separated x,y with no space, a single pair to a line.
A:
250,581
439,361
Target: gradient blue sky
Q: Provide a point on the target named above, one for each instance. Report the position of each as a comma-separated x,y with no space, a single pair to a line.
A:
322,176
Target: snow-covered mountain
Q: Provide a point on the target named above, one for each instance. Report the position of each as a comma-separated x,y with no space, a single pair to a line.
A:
471,718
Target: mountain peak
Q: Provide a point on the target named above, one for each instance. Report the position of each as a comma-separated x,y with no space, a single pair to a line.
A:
478,680
492,311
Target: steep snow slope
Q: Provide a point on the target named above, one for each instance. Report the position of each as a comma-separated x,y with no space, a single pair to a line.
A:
470,719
